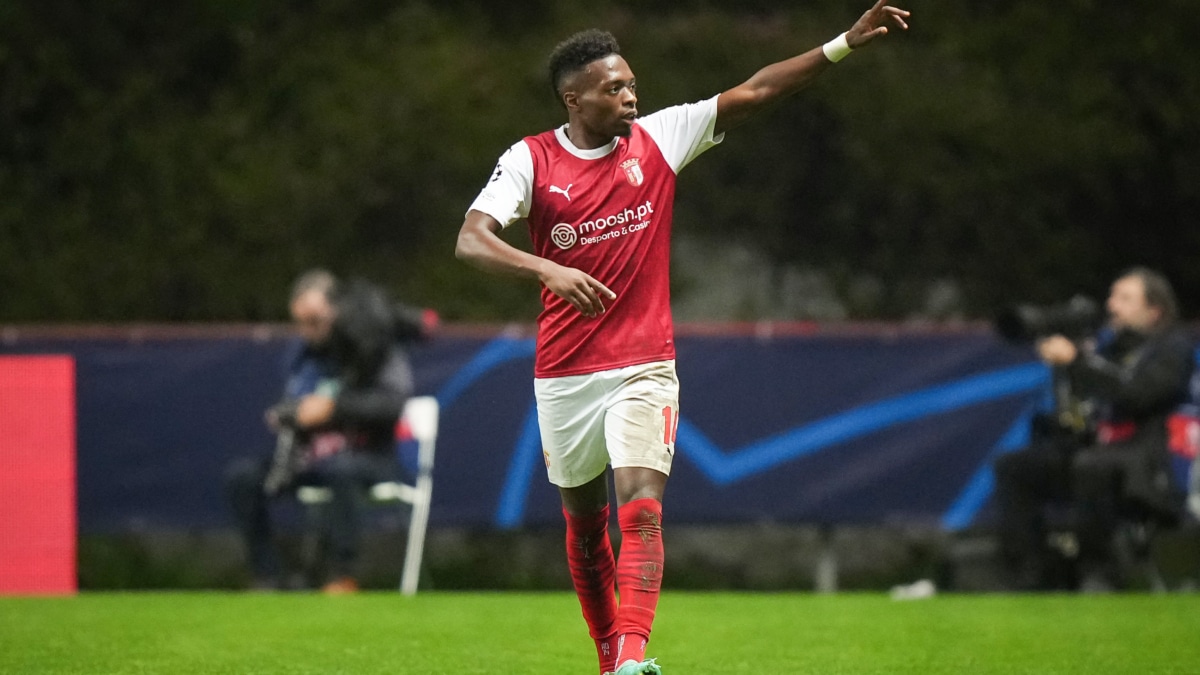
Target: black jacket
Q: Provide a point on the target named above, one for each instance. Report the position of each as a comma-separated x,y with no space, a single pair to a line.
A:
1136,381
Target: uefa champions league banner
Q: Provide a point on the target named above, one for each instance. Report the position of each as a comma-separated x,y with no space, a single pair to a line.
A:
868,427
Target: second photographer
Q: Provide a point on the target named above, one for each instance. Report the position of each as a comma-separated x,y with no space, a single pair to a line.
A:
1104,451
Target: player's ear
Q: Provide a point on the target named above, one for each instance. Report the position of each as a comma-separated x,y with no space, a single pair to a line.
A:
570,100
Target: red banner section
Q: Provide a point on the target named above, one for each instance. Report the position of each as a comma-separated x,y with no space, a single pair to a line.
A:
37,475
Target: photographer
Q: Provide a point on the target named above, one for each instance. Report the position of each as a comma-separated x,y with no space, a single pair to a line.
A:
346,387
1106,448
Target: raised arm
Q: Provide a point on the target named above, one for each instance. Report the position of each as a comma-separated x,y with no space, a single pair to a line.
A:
479,244
790,76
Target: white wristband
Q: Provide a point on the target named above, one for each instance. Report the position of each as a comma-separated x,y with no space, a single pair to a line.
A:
837,48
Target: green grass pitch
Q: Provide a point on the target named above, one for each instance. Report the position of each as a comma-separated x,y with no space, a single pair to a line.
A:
695,634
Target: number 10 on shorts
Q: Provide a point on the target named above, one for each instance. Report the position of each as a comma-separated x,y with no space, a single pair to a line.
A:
670,425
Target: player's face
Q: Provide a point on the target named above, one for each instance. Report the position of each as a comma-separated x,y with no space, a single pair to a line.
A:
313,315
606,97
1127,306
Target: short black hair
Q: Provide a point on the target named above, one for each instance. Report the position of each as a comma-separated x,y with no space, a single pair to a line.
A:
574,53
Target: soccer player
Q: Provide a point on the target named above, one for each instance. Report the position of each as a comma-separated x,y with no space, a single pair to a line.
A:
597,194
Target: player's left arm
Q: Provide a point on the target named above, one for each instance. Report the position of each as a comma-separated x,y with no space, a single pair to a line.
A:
784,78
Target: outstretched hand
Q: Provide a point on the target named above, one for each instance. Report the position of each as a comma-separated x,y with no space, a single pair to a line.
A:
872,24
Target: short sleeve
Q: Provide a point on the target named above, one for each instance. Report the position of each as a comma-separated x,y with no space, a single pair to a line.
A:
508,192
683,132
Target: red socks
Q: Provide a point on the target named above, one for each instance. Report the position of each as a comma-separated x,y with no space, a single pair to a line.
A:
590,559
639,578
639,575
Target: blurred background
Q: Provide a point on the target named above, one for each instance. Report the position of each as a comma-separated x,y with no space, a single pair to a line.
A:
180,161
166,169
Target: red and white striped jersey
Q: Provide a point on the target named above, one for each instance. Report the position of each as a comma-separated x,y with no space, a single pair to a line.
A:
605,211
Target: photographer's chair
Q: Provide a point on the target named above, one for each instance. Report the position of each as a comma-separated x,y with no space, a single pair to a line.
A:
419,422
1142,520
1138,529
1170,508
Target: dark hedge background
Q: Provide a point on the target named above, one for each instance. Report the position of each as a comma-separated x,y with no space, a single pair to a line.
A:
182,161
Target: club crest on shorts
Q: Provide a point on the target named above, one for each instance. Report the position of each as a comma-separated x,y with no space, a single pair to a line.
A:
633,172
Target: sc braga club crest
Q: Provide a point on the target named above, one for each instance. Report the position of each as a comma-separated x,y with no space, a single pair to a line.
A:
633,172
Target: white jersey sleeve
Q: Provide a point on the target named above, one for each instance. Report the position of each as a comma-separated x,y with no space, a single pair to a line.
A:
683,132
509,191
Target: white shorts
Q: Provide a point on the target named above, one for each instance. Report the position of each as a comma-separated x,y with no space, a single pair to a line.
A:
626,417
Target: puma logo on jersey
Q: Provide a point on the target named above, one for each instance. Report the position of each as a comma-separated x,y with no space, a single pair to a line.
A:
562,191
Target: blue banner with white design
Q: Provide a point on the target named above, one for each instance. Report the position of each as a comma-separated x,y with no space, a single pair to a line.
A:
859,427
